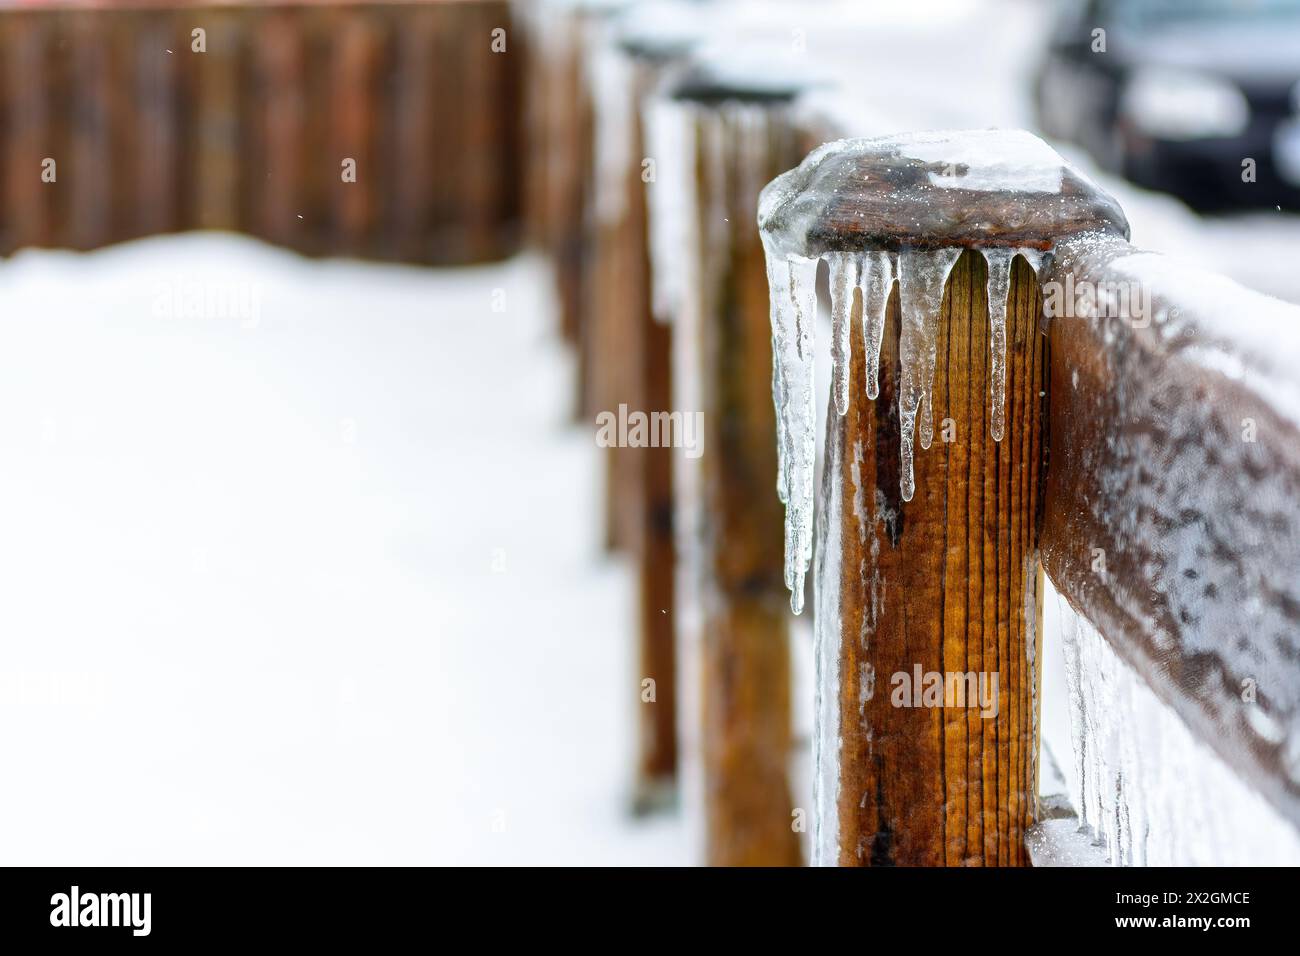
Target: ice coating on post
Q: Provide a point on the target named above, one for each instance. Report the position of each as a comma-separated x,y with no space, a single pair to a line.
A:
922,274
903,208
792,282
844,269
999,287
875,278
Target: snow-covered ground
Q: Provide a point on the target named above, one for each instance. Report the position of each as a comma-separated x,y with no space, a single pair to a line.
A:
299,563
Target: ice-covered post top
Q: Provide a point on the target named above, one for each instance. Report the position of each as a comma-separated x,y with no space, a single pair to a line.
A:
901,207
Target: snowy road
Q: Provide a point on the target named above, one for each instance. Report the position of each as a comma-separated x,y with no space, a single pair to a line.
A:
310,578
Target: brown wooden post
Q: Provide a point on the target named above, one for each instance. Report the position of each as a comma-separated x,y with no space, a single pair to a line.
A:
446,159
939,786
742,136
577,235
925,599
631,373
479,172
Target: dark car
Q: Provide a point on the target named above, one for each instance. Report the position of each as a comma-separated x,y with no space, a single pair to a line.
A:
1200,98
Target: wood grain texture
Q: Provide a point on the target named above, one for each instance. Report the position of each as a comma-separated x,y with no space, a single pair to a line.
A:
946,582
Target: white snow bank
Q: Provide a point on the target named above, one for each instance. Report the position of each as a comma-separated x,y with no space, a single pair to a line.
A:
320,585
1247,336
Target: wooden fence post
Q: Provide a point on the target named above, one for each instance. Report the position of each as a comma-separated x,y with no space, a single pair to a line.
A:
560,145
741,137
927,569
628,373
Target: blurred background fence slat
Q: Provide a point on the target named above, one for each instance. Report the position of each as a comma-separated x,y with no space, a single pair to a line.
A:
151,135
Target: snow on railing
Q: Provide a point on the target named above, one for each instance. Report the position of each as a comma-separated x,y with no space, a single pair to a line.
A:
1171,521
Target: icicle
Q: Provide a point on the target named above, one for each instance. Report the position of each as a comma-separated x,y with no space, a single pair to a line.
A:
999,286
792,282
778,398
1036,258
922,275
876,274
946,191
844,268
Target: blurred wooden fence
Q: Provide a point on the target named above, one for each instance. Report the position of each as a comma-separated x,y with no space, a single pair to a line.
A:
118,120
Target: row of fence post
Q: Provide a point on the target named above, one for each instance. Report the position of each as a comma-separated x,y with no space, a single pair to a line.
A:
703,532
959,563
928,583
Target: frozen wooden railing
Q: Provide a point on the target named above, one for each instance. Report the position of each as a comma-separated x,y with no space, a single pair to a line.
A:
1148,455
135,117
1171,518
